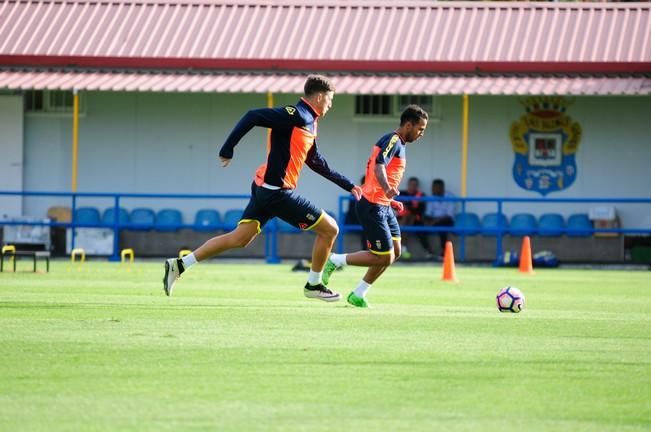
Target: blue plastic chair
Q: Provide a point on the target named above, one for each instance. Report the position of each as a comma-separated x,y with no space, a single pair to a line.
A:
468,222
232,218
168,220
207,220
551,225
144,217
579,225
108,218
493,221
523,224
87,216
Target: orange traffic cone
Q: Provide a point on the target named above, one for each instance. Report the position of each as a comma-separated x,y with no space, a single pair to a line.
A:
449,273
526,264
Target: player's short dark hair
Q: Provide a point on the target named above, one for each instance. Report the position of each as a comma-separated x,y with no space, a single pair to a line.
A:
438,182
412,179
316,84
413,114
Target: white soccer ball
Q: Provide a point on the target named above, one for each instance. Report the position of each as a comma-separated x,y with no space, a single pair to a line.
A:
510,299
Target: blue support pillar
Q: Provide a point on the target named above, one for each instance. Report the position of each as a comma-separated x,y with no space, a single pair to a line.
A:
116,231
342,229
500,232
272,257
73,228
462,242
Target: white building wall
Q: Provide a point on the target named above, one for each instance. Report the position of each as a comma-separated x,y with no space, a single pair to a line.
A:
168,143
11,154
613,158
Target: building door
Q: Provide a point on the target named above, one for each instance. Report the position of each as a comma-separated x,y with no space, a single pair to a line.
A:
11,155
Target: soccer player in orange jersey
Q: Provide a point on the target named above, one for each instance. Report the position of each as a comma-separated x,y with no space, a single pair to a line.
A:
292,144
384,171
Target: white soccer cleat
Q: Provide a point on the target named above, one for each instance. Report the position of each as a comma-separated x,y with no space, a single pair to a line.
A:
321,292
173,270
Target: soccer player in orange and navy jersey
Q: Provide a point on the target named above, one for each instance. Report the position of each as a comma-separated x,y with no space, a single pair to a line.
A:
384,171
292,144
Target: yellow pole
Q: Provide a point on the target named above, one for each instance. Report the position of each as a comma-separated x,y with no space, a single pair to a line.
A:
464,148
75,138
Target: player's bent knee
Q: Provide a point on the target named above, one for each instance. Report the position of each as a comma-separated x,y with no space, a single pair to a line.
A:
397,250
244,234
335,230
327,227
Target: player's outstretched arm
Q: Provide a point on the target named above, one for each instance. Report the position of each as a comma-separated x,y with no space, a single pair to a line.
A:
319,165
357,192
274,118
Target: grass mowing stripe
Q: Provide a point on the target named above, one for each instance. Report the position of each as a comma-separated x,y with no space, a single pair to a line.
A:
239,348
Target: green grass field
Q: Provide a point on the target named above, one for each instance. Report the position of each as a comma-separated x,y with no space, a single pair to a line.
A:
238,348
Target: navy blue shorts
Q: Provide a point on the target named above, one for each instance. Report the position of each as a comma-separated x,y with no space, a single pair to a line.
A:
266,204
380,226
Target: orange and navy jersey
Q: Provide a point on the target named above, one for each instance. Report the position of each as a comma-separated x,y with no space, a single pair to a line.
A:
292,143
389,151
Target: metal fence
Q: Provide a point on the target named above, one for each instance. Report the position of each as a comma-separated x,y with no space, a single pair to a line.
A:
500,203
272,229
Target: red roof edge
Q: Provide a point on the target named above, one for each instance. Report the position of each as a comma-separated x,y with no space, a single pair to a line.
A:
370,66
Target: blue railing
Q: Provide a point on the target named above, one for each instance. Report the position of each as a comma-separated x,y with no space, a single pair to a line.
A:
272,230
497,232
271,240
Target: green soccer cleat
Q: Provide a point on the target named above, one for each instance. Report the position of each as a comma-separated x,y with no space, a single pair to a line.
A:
329,268
359,302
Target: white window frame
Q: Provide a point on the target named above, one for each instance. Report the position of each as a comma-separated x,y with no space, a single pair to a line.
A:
398,107
371,116
434,110
50,111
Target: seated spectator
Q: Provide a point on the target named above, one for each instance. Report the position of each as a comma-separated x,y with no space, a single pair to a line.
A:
413,214
440,213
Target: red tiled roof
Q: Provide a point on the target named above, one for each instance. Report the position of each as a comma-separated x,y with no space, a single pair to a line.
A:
335,35
345,83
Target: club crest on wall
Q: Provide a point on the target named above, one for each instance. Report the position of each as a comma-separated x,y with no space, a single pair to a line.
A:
545,141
